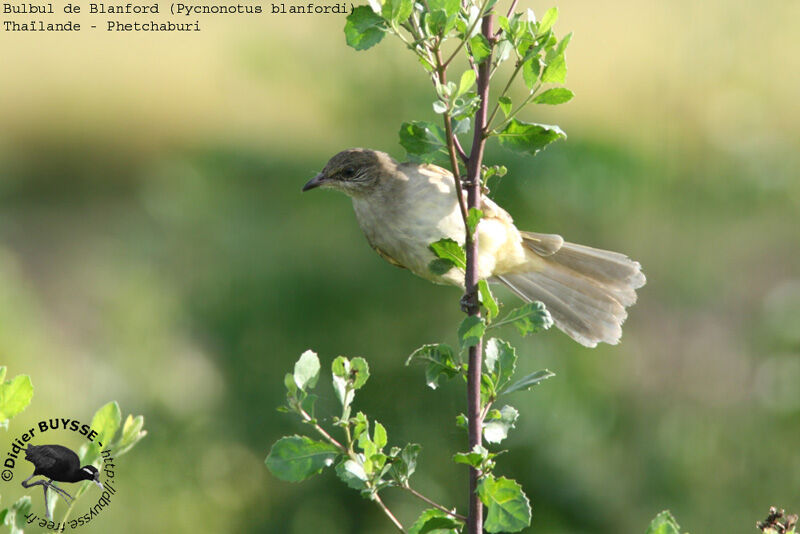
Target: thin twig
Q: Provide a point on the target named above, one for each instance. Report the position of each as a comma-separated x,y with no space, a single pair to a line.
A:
322,431
436,505
466,36
388,513
463,155
508,16
441,72
502,94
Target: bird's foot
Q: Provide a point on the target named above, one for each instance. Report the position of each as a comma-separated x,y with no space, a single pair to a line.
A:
64,495
469,302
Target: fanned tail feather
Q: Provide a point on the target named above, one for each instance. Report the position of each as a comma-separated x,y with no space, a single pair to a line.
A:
585,289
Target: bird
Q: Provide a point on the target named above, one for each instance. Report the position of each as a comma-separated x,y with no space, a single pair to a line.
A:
402,208
57,464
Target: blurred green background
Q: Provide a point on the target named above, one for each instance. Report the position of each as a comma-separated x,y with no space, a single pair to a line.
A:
155,249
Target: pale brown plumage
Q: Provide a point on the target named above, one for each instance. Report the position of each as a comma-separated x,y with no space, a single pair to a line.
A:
404,207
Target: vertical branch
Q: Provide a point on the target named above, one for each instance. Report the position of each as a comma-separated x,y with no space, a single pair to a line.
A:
471,302
471,278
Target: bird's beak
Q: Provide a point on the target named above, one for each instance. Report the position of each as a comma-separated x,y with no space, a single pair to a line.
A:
99,484
316,181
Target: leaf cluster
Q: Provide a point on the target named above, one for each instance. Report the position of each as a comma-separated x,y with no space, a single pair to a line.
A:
439,31
363,461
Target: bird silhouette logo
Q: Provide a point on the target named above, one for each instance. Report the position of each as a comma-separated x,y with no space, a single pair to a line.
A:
57,463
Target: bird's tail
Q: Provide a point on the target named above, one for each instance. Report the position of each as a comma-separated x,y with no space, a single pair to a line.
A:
586,290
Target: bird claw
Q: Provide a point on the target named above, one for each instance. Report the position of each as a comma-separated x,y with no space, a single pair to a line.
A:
469,301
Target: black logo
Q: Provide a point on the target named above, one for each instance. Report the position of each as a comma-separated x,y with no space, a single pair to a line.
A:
60,464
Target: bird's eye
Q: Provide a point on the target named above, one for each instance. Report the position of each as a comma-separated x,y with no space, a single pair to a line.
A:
348,172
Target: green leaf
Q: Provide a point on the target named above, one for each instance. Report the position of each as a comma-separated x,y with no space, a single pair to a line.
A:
488,393
529,318
461,126
502,50
15,395
471,331
364,28
508,509
498,423
132,433
480,48
342,385
3,370
467,81
450,7
440,360
404,463
306,370
549,18
527,137
296,458
448,249
106,422
359,372
14,517
440,267
433,521
379,436
352,474
530,71
488,301
291,386
555,96
442,15
479,457
462,422
505,104
397,11
501,361
528,381
423,140
360,425
474,216
562,44
664,523
555,71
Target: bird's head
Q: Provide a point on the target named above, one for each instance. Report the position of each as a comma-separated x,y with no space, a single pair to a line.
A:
90,472
355,172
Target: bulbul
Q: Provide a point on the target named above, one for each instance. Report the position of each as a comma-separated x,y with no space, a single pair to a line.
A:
404,207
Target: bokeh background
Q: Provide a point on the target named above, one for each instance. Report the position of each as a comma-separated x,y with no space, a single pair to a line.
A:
155,249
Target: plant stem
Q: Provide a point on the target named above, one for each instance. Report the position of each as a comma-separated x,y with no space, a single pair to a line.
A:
388,513
466,37
441,72
471,278
436,505
508,16
322,432
349,452
505,90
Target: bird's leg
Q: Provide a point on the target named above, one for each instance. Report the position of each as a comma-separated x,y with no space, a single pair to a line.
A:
47,513
24,485
66,496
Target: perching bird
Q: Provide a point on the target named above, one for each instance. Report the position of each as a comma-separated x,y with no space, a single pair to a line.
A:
404,207
57,463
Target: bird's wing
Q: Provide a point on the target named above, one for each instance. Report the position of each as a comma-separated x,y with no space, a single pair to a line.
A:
490,209
48,455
